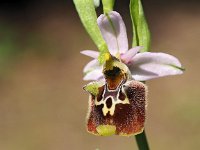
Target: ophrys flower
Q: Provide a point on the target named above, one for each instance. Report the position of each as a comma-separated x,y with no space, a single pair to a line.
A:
117,104
143,66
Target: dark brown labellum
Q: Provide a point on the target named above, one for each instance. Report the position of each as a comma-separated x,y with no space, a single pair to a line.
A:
122,108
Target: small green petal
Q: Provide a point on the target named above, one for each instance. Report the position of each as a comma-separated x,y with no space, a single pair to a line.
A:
93,87
103,56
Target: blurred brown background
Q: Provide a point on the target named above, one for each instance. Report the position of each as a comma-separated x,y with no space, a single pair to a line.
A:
42,104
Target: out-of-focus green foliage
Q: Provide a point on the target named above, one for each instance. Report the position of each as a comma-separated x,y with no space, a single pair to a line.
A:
7,43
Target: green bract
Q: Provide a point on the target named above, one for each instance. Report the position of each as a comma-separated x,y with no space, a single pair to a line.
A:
87,14
141,33
108,5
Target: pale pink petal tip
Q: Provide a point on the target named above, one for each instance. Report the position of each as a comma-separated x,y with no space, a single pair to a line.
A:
90,53
128,56
148,66
94,75
113,31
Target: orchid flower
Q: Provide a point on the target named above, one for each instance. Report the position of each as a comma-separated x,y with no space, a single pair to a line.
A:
143,66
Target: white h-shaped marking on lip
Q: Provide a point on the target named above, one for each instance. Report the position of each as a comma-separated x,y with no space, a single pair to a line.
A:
103,101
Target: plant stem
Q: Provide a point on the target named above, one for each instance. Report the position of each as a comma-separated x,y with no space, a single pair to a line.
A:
142,142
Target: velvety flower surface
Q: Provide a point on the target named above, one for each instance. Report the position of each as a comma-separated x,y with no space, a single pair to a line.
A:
143,66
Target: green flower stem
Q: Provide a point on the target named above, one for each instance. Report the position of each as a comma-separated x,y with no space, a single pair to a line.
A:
108,5
142,142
